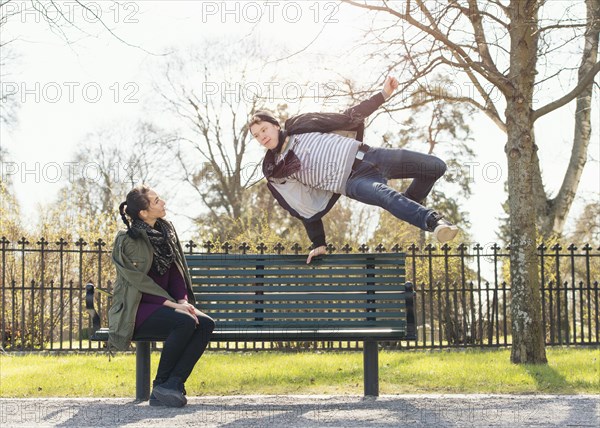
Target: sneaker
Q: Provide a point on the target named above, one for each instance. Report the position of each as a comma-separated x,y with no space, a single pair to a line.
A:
170,393
445,231
441,228
153,401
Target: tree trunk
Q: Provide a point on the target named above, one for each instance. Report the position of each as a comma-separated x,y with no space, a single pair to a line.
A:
527,329
559,207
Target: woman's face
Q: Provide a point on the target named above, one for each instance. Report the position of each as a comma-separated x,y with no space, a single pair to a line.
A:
266,134
156,208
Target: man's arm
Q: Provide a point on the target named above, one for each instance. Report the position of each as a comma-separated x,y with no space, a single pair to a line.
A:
315,232
360,112
351,119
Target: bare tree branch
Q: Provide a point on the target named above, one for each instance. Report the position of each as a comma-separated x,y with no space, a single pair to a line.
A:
490,74
581,85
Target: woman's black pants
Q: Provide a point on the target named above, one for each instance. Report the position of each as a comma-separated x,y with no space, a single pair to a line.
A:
184,341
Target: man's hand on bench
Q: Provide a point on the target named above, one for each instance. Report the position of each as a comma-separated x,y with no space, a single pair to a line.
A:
319,251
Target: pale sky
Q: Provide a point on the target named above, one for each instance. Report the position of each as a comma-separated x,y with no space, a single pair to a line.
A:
98,82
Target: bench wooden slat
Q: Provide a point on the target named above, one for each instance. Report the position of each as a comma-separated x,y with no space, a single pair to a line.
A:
310,335
308,315
239,297
297,288
245,327
273,334
317,280
270,306
294,308
324,281
287,261
249,272
248,330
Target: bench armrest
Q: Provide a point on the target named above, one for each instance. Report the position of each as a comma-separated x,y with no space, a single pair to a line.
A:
89,307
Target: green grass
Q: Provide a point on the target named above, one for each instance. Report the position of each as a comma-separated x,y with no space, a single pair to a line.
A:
569,371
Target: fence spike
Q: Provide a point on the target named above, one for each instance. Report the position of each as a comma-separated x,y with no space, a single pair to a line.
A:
261,247
80,243
226,247
279,248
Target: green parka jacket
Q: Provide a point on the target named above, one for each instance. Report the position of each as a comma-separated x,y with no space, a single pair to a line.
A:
133,259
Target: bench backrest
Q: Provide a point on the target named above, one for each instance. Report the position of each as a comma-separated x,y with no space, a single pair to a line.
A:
340,291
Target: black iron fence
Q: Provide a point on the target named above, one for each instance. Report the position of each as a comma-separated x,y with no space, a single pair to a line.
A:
462,293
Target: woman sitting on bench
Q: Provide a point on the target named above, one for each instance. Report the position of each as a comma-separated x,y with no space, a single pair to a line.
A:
153,298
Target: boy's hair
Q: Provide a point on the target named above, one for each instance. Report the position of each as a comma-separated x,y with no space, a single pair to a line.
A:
263,116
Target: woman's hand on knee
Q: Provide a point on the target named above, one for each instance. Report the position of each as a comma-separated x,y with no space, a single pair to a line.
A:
187,309
184,312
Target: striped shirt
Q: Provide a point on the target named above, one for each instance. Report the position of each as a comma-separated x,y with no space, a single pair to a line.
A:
326,160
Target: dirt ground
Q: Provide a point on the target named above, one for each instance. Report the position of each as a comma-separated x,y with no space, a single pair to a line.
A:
311,411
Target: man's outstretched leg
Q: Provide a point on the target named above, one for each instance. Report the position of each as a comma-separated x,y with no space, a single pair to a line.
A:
368,185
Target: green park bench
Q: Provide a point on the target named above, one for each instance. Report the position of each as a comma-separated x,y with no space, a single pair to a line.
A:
279,298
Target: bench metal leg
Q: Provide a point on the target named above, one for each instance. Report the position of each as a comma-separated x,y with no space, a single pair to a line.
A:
371,368
142,371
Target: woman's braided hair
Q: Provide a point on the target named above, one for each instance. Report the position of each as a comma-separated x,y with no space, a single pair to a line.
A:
136,201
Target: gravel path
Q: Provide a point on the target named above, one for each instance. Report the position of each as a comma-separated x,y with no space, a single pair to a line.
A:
311,411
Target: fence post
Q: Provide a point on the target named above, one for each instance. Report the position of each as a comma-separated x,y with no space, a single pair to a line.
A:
43,244
98,244
61,254
541,249
3,330
556,248
23,242
588,283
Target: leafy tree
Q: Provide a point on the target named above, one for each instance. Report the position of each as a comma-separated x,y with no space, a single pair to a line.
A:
10,220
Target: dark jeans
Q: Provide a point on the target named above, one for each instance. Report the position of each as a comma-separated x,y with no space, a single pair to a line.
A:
184,344
368,184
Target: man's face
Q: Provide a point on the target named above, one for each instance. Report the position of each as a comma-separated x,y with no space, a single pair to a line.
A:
266,134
